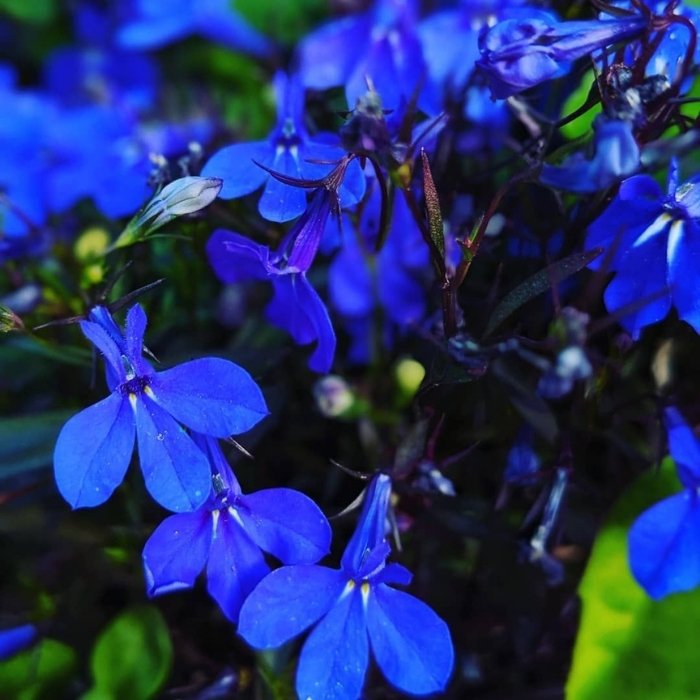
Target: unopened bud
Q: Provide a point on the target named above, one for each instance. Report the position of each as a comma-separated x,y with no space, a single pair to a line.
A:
183,196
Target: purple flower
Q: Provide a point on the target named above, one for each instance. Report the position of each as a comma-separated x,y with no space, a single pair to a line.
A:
16,639
381,45
155,24
654,239
288,150
519,53
664,541
295,306
209,395
352,610
616,155
229,535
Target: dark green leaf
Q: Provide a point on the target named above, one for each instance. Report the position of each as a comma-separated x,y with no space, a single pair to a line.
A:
27,442
537,284
37,11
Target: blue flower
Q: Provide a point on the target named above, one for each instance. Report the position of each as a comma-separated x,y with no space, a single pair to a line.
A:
106,154
295,306
229,535
209,395
659,234
156,24
96,71
664,541
616,155
381,45
519,53
450,38
288,150
352,610
360,280
16,639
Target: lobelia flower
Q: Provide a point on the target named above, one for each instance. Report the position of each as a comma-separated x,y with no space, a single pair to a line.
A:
381,45
664,541
616,155
519,53
450,37
155,23
360,280
658,233
352,610
229,535
94,70
288,150
210,395
16,639
296,306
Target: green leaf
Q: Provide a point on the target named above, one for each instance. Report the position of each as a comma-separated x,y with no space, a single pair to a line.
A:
38,11
539,282
27,442
66,354
39,673
583,124
630,646
132,657
286,22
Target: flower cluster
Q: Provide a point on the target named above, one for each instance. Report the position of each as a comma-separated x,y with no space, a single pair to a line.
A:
453,212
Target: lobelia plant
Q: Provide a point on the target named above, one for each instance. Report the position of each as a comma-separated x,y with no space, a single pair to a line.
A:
211,396
351,610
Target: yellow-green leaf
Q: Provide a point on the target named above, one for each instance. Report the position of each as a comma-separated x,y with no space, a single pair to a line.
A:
132,656
630,646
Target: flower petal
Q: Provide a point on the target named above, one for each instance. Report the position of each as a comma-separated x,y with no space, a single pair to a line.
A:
628,287
334,659
287,602
297,308
684,447
327,55
287,524
135,330
176,552
235,165
280,202
664,546
16,639
175,470
236,258
684,270
411,643
212,396
93,452
236,565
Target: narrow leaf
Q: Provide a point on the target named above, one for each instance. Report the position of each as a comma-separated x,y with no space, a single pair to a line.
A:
432,205
539,282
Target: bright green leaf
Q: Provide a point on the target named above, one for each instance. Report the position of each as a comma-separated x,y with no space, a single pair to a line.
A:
628,645
583,124
132,656
39,673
